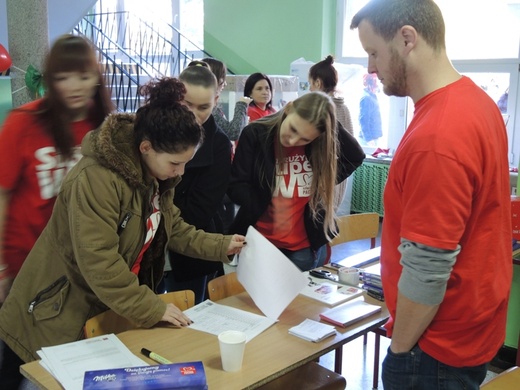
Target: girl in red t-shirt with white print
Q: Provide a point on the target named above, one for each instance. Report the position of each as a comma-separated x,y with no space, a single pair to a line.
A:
39,143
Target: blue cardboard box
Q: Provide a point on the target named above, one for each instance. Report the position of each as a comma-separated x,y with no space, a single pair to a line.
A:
175,376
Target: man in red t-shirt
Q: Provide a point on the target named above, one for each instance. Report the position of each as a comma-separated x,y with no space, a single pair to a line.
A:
446,238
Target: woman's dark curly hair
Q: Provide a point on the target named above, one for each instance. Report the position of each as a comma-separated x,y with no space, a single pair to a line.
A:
163,120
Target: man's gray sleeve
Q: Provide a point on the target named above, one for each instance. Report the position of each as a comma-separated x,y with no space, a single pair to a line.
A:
426,271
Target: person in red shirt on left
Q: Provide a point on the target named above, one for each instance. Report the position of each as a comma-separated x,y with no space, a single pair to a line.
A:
39,143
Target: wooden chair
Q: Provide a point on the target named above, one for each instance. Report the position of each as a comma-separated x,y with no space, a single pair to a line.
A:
353,227
310,376
506,380
224,286
110,322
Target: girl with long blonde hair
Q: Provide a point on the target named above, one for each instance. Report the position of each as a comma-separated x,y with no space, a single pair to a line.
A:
284,173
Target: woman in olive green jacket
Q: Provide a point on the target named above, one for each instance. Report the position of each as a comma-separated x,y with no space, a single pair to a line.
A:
104,244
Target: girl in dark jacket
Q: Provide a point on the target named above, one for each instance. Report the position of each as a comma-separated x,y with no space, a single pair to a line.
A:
200,194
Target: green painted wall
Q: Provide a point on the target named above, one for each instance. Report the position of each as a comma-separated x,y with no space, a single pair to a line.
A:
266,36
513,314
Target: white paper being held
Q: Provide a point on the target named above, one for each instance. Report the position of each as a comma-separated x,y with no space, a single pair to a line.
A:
269,277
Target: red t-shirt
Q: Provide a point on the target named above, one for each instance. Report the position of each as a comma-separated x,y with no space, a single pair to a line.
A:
282,222
254,112
152,224
32,172
448,184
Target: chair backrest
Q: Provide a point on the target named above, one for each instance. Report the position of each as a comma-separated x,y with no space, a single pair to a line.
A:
354,227
110,322
224,286
506,380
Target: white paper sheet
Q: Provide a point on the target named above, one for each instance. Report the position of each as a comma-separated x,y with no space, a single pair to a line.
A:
270,278
211,317
68,362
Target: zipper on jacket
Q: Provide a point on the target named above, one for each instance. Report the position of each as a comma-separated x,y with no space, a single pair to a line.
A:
60,282
123,223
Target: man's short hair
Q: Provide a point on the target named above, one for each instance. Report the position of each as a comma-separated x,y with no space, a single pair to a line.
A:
388,16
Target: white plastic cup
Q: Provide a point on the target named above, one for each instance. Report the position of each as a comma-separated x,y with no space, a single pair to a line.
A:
232,345
349,275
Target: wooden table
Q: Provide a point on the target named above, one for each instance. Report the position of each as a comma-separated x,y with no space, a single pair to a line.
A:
268,356
362,259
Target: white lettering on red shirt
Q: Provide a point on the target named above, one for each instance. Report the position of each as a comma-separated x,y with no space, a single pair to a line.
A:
52,169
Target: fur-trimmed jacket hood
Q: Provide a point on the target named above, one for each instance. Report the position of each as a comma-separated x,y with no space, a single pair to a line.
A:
113,146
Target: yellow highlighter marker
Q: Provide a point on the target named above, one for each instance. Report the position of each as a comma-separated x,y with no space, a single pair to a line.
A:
154,356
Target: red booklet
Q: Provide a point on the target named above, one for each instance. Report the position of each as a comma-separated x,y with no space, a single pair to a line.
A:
350,312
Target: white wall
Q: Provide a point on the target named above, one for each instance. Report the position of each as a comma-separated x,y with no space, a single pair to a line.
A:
64,15
3,24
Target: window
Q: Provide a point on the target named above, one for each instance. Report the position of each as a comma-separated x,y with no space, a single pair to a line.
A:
483,42
187,16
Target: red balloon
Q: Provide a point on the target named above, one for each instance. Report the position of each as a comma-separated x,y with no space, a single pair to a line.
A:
5,59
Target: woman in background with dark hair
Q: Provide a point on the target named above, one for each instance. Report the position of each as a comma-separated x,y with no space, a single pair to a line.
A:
39,144
104,245
324,77
233,127
259,88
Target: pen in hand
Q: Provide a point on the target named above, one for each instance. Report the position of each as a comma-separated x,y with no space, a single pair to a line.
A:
154,356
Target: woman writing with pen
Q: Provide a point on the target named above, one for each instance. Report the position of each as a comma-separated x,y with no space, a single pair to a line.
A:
105,242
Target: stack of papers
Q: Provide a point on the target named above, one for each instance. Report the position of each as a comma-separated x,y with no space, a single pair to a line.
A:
372,283
350,312
311,330
69,362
